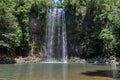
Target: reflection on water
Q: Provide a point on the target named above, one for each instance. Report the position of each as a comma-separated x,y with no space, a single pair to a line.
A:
64,72
59,71
49,72
115,72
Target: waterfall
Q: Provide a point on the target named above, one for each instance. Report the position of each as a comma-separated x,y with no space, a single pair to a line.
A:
56,38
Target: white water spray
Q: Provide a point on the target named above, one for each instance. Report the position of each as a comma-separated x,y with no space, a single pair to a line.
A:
56,38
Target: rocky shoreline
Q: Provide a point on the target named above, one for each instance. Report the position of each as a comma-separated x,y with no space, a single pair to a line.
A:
29,59
19,59
6,60
97,60
36,58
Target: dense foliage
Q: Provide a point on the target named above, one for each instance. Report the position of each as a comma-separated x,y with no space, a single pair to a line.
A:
15,30
94,25
99,26
10,32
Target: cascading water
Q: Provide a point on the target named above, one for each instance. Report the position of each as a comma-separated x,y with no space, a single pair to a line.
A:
56,42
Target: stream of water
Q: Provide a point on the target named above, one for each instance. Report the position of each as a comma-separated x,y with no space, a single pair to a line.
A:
56,38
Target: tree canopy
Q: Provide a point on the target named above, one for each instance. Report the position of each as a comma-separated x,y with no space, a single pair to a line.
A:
92,24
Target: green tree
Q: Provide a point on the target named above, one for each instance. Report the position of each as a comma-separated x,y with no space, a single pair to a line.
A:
110,34
9,28
22,10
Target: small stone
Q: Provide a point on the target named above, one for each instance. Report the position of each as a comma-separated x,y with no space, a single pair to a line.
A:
82,61
106,62
96,62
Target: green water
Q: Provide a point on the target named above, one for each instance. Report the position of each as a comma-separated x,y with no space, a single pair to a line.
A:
59,71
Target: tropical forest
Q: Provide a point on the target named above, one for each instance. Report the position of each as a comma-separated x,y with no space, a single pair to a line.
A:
59,39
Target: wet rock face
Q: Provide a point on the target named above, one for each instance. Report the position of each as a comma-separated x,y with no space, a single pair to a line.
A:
35,25
74,50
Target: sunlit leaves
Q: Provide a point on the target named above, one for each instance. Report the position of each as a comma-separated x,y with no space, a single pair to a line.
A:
75,7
